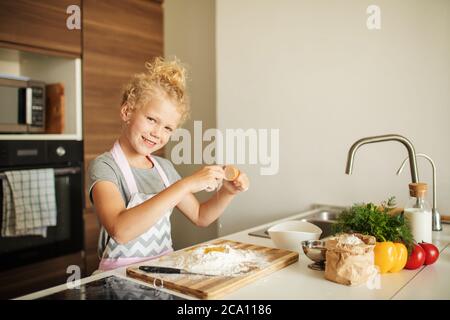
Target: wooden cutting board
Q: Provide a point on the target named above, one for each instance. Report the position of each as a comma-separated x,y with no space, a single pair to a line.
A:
213,287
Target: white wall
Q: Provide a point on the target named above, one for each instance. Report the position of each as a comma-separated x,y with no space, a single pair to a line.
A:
313,70
9,62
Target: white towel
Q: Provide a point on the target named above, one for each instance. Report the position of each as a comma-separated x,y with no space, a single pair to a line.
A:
29,202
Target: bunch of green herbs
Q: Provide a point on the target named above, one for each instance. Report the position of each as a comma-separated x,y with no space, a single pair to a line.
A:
376,221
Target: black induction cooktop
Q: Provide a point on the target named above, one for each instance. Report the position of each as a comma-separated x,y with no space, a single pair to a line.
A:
112,288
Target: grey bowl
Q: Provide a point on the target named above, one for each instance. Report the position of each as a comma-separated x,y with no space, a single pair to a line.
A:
316,251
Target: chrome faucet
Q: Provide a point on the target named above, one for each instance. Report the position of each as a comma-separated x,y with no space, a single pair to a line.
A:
389,137
436,216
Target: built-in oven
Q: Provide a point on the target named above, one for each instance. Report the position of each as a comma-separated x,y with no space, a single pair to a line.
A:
22,105
66,237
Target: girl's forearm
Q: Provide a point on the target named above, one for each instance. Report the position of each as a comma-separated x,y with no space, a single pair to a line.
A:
210,210
135,221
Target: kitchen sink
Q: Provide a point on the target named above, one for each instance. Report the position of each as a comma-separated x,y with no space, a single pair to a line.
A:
324,219
322,216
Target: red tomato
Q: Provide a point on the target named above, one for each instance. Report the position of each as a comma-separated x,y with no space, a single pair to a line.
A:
416,259
431,252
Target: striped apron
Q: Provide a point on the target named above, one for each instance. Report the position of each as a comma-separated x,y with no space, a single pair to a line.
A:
155,242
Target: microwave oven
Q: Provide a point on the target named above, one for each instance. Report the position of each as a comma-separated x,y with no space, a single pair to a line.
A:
22,105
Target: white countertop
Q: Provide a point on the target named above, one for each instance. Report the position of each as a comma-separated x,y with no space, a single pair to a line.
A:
297,281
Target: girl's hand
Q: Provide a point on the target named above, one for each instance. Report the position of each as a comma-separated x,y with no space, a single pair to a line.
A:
240,184
208,177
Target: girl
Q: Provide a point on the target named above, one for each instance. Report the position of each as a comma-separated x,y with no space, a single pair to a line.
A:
134,192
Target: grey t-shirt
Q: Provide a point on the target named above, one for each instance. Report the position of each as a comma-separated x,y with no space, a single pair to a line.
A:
104,168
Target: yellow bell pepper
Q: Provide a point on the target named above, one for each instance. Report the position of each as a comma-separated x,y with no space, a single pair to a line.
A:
402,257
385,255
390,257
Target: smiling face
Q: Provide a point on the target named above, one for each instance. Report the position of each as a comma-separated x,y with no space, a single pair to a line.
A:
149,127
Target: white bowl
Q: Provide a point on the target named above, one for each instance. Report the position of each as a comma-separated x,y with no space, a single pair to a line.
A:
290,234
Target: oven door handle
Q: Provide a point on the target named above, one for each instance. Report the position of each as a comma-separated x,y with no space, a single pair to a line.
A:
58,171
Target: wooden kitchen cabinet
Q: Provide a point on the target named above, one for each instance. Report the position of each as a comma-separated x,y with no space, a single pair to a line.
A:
38,276
39,26
118,38
91,232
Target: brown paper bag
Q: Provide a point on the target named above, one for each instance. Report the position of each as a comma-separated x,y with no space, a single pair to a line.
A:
350,264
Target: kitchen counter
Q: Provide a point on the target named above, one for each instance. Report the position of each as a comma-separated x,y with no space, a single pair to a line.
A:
297,281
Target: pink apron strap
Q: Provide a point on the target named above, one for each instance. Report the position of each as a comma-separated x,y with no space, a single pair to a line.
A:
160,171
124,166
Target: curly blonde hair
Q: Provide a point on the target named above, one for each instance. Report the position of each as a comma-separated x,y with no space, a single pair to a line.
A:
163,77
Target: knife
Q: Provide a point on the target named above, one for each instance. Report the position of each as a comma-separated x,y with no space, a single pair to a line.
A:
168,270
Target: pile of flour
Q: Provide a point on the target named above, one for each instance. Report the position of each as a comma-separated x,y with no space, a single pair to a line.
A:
218,260
349,239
